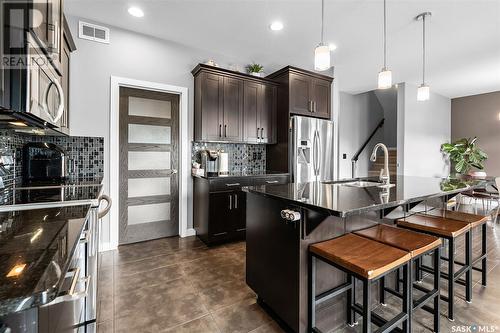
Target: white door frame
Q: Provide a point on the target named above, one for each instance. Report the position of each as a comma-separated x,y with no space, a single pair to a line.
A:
184,156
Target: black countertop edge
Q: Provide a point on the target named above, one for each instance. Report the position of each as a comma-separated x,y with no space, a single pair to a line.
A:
261,190
43,297
235,176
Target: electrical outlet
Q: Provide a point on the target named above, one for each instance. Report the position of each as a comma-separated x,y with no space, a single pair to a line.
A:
344,156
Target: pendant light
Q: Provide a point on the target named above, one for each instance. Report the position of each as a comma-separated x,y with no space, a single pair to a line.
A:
385,75
423,91
322,51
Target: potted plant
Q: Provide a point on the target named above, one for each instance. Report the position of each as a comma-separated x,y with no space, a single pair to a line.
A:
255,69
465,155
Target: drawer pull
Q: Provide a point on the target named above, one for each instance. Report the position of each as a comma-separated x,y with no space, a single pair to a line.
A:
272,181
220,234
242,229
233,184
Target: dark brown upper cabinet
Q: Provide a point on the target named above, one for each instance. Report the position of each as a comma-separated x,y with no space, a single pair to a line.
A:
67,48
305,93
233,107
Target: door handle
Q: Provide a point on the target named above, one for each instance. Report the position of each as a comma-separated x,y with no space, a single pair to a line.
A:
262,133
230,201
258,133
314,107
310,106
225,131
236,201
220,131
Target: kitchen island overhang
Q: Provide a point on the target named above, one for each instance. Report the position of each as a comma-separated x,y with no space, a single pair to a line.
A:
277,246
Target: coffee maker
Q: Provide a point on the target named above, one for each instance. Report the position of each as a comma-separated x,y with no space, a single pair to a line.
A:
209,162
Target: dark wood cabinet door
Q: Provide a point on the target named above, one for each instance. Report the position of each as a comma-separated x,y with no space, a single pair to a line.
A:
65,85
233,109
220,215
238,212
300,94
251,93
322,98
267,113
211,106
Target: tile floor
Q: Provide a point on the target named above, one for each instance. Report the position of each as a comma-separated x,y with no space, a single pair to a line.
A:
180,285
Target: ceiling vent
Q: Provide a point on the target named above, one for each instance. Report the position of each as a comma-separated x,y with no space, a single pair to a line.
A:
93,32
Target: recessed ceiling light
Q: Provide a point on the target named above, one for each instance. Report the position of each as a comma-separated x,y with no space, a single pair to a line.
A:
276,26
332,47
136,11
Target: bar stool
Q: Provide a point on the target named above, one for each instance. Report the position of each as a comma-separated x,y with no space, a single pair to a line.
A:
447,229
474,221
368,261
418,245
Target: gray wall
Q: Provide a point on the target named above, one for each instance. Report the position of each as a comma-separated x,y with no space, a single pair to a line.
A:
479,116
424,126
128,55
358,116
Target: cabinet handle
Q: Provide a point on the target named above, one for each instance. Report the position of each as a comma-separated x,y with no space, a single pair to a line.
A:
220,131
236,201
242,229
310,106
233,184
272,181
258,133
230,201
225,131
220,234
314,106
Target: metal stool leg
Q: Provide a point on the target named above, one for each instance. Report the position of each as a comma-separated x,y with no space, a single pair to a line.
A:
451,273
350,302
468,263
484,268
367,301
398,277
312,293
437,299
382,291
407,297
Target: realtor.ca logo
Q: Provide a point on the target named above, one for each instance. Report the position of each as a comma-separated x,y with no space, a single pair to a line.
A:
475,328
21,40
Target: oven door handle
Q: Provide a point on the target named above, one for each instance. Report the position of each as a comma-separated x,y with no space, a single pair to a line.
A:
105,211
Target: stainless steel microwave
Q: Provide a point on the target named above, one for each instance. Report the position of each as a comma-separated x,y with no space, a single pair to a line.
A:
30,87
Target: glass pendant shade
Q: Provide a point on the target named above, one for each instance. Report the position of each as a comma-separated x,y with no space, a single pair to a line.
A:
423,93
384,79
322,57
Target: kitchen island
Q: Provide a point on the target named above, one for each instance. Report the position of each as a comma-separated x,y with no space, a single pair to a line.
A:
283,220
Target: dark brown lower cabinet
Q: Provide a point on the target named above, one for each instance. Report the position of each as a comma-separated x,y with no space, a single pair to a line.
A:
219,206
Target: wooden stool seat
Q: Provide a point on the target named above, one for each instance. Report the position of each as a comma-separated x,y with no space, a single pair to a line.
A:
361,255
437,225
474,220
413,242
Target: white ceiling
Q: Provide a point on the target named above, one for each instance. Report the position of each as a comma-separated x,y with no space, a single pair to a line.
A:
463,35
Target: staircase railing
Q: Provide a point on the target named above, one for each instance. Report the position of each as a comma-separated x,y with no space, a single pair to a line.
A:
355,158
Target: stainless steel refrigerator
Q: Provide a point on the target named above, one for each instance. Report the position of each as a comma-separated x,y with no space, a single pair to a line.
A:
312,150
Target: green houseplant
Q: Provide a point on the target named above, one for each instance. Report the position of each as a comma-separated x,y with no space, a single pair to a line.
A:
255,69
465,155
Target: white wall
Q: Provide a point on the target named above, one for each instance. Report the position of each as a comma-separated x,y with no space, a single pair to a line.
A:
358,116
424,126
128,55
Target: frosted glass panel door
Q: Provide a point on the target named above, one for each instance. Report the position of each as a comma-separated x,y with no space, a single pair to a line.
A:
148,165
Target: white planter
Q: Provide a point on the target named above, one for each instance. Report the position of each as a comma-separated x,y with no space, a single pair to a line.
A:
256,74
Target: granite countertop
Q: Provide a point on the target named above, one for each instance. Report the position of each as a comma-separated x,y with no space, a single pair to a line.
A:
342,200
42,241
239,174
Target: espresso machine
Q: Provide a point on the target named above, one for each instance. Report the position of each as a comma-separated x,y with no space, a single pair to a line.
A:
214,162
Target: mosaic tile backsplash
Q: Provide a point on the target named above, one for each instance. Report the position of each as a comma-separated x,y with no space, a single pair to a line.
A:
85,154
242,157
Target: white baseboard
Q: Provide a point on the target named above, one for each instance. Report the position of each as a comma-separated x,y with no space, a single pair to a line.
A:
103,247
189,232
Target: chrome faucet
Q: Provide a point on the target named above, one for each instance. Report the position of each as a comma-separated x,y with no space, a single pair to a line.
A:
384,177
